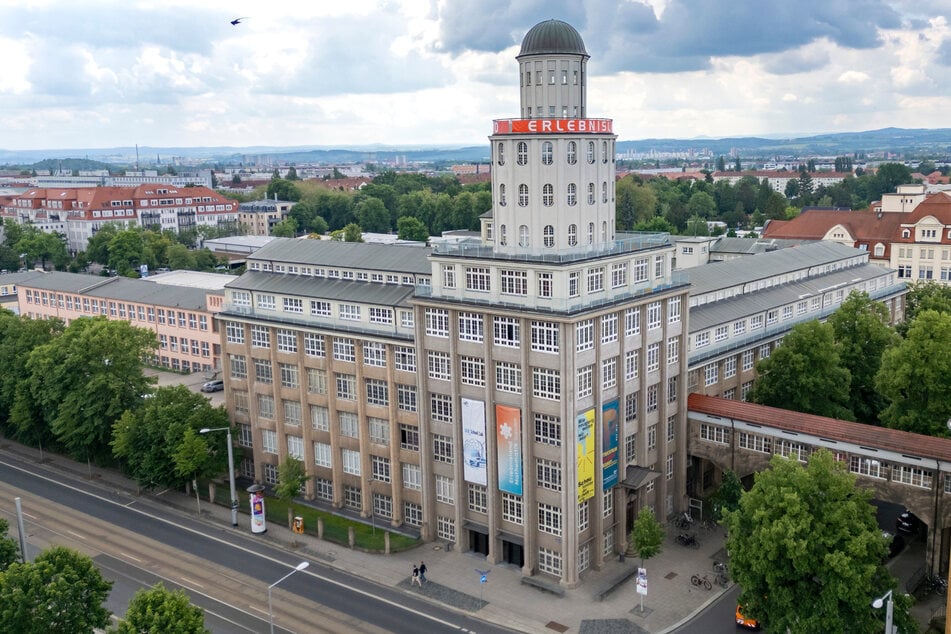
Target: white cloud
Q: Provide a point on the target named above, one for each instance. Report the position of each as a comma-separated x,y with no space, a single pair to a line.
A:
853,77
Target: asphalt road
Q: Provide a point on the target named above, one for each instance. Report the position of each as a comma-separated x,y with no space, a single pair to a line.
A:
137,543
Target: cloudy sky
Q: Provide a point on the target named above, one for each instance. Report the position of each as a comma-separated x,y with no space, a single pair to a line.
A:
169,73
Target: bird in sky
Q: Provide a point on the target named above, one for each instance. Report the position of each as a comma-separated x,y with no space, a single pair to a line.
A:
237,21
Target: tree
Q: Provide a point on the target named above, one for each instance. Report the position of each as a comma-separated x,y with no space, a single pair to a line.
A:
805,374
61,592
915,377
291,478
283,189
352,233
737,167
728,495
697,226
9,550
701,204
721,164
18,337
647,535
161,611
861,329
924,296
372,216
409,228
82,381
806,550
286,228
146,439
292,174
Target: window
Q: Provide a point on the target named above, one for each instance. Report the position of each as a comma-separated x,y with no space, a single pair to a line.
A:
316,381
521,152
269,441
522,202
343,349
710,374
912,476
295,447
756,322
234,332
442,449
702,339
445,490
314,345
544,336
262,371
652,398
764,351
714,433
470,327
584,335
549,561
754,442
670,467
632,322
320,418
347,387
439,365
548,429
266,302
511,508
445,528
260,337
239,366
630,407
653,316
508,377
608,373
440,407
572,235
406,397
472,371
506,332
747,359
374,354
548,474
349,424
513,282
571,198
619,275
351,461
404,358
868,467
245,436
379,431
729,367
585,381
449,276
412,514
653,357
574,284
631,360
412,476
377,392
478,498
609,328
523,239
437,322
548,196
721,333
381,316
549,519
673,350
652,437
547,147
546,384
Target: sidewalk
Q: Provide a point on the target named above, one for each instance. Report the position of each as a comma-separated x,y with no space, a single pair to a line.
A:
453,578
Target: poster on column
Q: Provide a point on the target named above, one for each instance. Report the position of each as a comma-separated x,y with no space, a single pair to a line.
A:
473,441
508,425
585,454
610,412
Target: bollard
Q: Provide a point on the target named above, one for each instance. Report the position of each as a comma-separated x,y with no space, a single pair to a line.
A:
320,528
350,537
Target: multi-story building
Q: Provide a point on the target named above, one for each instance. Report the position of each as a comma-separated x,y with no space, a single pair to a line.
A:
520,396
740,310
779,179
258,217
181,315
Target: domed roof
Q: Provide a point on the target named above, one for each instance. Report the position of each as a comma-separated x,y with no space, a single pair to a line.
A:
552,36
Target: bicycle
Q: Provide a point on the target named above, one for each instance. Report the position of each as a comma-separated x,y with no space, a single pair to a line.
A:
683,521
701,580
689,540
938,584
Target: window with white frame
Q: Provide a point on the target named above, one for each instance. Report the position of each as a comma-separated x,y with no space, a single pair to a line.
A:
619,274
506,332
640,270
631,363
319,308
412,514
548,474
407,319
673,310
478,279
609,373
754,442
549,518
672,388
470,327
652,437
316,381
673,350
670,467
349,312
295,447
549,561
383,505
721,333
314,345
239,366
381,315
652,398
241,402
374,354
748,360
630,406
344,349
351,461
585,381
653,357
409,437
412,476
439,365
352,498
286,340
714,433
472,371
266,302
379,430
293,305
263,372
513,282
764,351
632,322
584,517
346,386
478,498
378,392
404,358
511,508
711,373
349,424
609,328
544,336
756,322
320,418
546,280
548,429
445,528
406,397
913,476
508,377
271,474
289,375
380,468
574,283
653,315
595,279
437,322
322,454
449,275
445,490
234,332
607,506
442,449
792,450
292,413
630,448
868,467
440,408
269,441
260,337
546,383
584,335
729,367
739,327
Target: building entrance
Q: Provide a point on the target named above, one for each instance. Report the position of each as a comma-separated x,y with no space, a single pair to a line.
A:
513,553
479,542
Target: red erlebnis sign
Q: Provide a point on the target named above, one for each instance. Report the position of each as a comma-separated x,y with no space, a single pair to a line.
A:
549,126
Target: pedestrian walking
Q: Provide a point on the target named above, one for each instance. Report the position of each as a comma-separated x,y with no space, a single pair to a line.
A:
422,572
416,577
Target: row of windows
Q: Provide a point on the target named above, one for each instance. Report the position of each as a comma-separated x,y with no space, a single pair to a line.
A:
548,200
321,308
330,273
547,155
120,310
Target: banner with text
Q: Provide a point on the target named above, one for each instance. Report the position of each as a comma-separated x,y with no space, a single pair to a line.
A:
508,424
610,413
585,453
473,441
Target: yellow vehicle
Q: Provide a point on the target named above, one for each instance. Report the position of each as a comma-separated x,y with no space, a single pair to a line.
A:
745,621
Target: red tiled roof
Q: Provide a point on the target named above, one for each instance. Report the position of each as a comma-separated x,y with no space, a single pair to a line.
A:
832,428
864,226
936,205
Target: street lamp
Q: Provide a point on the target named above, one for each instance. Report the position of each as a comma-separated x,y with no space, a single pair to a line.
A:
270,612
887,600
234,496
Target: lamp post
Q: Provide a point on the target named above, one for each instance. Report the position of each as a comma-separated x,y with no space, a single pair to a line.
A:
234,496
887,600
270,612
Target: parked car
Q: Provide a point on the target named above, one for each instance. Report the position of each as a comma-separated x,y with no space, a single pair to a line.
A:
909,523
213,386
745,621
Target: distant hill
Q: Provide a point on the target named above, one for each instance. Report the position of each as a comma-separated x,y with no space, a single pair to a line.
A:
933,142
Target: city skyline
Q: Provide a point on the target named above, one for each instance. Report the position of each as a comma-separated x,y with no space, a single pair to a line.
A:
437,73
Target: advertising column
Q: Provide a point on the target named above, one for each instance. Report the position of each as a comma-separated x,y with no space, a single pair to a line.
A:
258,521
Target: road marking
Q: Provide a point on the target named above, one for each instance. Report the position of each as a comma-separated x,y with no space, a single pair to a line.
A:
191,581
225,542
76,535
257,609
130,556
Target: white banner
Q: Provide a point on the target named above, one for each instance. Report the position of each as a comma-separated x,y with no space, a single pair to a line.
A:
473,441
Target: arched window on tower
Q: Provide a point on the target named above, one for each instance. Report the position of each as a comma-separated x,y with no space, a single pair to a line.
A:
604,151
590,193
501,154
502,237
547,151
523,235
604,231
502,195
590,155
548,195
590,233
572,235
572,194
523,195
549,235
522,153
604,192
572,152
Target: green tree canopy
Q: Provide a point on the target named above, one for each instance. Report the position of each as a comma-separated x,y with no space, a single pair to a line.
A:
410,228
915,377
61,592
647,536
9,550
160,611
804,374
806,550
728,495
924,296
18,337
372,216
146,439
291,478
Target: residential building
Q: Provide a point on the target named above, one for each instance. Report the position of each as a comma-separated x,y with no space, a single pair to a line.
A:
778,179
867,230
520,396
258,217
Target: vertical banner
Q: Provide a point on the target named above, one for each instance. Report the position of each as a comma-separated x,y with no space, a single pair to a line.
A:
586,455
508,424
258,522
610,413
473,441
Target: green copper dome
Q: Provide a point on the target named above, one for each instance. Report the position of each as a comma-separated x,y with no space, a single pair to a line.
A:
552,36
